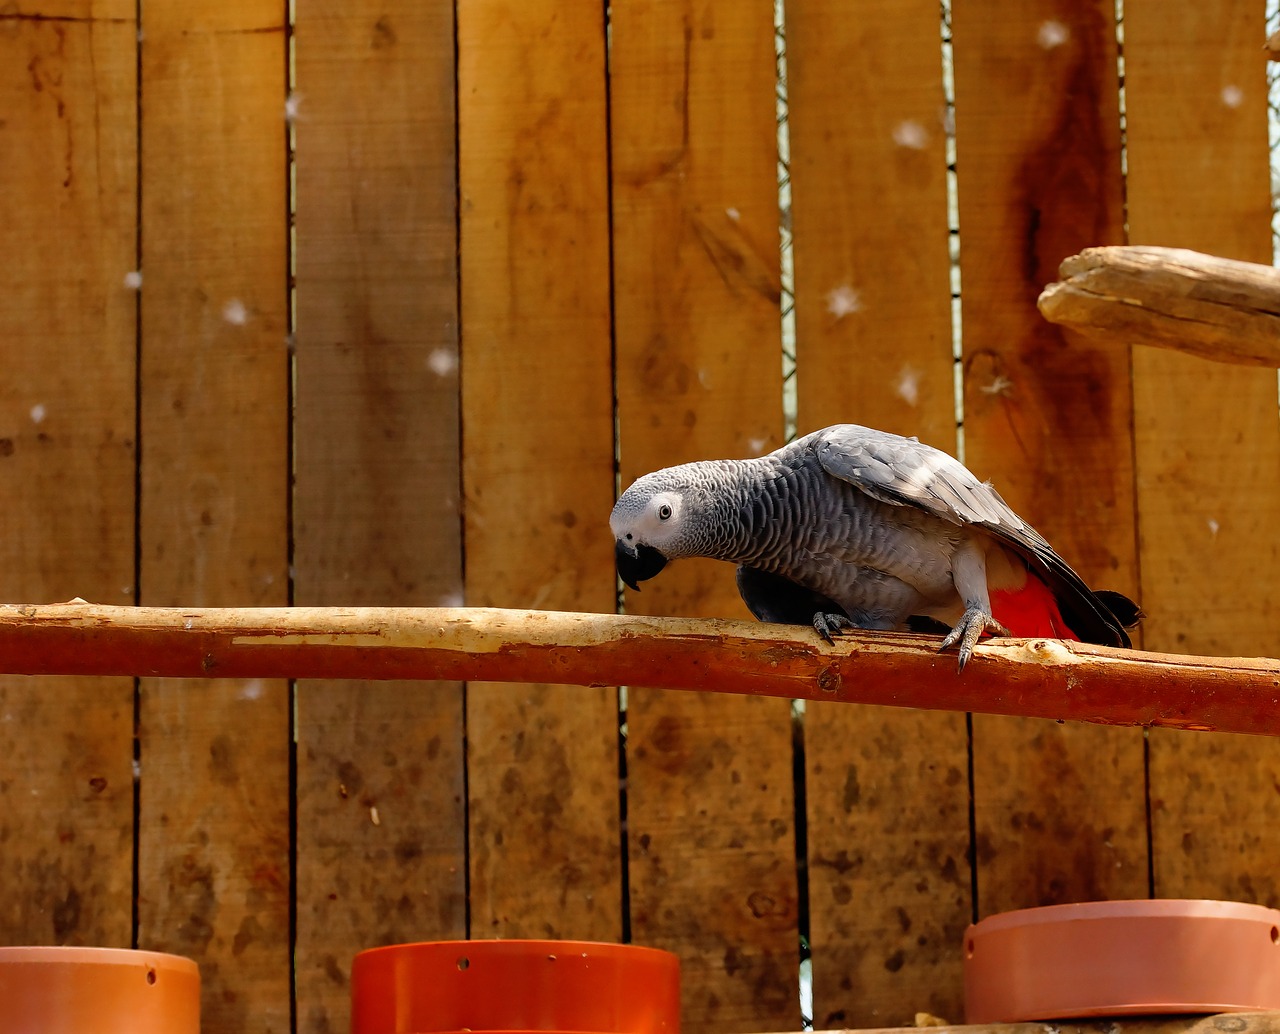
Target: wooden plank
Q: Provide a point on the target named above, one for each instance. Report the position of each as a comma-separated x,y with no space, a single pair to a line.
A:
887,790
1209,306
538,454
214,828
1047,417
67,323
381,846
1208,452
709,783
1030,677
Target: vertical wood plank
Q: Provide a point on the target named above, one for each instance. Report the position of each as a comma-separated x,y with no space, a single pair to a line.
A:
710,798
1208,451
537,454
214,836
887,790
67,331
381,851
1047,417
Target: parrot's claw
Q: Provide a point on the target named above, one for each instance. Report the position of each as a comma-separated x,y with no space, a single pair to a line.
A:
828,625
969,630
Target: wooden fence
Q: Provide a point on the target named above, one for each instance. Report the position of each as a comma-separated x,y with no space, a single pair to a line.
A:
509,247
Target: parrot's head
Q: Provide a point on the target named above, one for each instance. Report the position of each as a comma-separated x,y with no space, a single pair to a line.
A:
650,524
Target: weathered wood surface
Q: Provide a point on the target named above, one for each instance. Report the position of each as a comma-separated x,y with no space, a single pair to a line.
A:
538,454
710,811
1048,418
1206,439
868,171
380,828
68,323
213,831
1044,678
1214,307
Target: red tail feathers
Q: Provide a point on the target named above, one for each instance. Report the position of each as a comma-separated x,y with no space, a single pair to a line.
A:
1030,611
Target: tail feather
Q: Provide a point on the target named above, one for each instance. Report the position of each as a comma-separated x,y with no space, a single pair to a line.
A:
1030,611
1122,608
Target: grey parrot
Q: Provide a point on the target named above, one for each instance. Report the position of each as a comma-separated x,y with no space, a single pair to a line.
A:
850,527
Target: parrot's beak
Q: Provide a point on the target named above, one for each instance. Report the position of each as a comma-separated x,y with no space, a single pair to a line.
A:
636,563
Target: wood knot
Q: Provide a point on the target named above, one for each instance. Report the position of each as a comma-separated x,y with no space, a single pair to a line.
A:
829,679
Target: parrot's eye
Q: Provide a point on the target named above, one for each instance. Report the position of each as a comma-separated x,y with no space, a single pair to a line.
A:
664,512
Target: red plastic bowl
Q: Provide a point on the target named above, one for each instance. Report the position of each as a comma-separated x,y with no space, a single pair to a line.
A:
508,985
1115,958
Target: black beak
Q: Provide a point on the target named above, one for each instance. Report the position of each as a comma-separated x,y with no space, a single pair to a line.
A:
636,563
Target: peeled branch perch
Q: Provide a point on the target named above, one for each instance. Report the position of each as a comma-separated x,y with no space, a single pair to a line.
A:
1212,307
1037,678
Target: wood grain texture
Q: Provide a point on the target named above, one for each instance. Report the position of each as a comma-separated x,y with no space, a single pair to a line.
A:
214,824
697,287
1207,446
1048,417
887,790
67,335
381,846
538,453
1213,307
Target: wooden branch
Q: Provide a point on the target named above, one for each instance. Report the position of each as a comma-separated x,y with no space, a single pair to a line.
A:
1212,307
1214,1023
1035,677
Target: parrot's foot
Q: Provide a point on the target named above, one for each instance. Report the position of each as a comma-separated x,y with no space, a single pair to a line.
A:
969,630
829,624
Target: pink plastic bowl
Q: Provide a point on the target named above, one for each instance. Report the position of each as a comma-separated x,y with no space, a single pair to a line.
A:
1114,958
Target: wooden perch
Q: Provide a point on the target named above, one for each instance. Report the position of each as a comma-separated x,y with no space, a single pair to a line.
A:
1035,677
1212,307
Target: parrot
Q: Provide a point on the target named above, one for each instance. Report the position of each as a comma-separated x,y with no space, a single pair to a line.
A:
850,527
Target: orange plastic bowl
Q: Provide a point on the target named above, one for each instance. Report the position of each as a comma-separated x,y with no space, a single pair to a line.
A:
510,985
105,990
1114,958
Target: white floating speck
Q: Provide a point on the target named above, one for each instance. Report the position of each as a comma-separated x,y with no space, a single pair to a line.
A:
1232,95
999,386
235,313
38,413
252,690
137,769
908,386
1052,34
843,301
910,133
704,378
373,815
451,599
756,445
133,280
291,104
733,214
442,362
1213,526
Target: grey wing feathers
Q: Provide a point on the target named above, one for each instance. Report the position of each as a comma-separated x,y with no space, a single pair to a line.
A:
905,472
